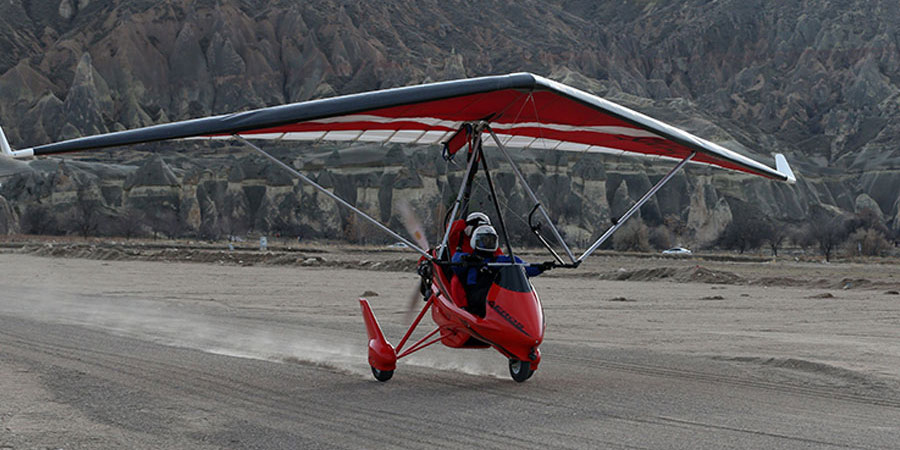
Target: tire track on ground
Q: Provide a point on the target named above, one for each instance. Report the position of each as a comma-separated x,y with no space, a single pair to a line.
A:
670,372
247,396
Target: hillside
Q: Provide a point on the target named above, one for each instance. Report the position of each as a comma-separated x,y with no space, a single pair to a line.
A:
816,80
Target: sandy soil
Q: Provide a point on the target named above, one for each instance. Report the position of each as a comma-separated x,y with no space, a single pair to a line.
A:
790,328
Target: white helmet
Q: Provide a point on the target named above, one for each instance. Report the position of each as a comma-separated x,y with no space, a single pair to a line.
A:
478,218
484,239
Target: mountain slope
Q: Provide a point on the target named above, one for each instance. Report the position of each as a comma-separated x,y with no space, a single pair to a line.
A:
817,80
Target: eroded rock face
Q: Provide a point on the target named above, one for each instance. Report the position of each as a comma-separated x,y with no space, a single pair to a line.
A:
709,212
233,196
816,81
87,101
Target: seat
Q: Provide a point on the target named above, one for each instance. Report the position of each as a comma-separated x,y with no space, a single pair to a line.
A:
453,241
458,292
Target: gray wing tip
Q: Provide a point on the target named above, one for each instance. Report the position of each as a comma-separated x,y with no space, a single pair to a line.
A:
782,166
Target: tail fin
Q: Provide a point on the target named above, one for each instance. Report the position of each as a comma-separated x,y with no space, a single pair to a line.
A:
9,152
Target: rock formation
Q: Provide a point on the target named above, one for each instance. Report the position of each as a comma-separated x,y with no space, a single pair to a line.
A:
817,80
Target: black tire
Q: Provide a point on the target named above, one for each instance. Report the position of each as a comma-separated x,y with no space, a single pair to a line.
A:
519,370
382,375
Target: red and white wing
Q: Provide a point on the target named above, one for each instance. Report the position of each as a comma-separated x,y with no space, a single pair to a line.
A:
524,110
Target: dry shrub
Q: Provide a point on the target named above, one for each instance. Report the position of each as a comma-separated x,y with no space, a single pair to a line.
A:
661,237
867,242
634,237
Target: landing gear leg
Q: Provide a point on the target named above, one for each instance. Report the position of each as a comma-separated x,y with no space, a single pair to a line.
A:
520,370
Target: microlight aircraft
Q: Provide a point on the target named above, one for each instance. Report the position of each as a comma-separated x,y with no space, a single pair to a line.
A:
510,112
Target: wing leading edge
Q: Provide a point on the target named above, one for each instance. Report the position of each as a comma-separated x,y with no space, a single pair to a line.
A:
524,110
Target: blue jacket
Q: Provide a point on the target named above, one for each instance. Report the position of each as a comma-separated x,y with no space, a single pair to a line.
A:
470,274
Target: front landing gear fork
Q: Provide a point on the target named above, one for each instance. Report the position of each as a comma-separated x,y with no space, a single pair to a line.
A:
535,356
522,370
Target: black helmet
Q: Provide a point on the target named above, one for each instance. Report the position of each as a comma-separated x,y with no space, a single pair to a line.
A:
484,239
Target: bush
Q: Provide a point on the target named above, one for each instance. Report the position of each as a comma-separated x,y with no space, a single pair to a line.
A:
778,233
38,219
661,238
745,234
867,242
828,231
632,237
131,223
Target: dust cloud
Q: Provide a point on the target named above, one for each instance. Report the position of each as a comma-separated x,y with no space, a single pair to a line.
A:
189,326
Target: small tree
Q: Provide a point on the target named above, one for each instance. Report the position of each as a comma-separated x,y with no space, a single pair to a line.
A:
165,220
828,231
132,223
744,234
776,236
802,236
37,219
85,218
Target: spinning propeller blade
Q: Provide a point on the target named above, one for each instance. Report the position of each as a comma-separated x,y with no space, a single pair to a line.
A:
412,223
411,308
417,232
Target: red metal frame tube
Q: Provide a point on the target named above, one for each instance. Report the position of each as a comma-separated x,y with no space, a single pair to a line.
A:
415,323
419,346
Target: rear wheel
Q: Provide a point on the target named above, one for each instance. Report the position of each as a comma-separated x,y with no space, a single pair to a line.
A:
519,370
382,375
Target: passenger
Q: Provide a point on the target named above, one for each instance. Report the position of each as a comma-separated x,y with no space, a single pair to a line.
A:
461,232
474,273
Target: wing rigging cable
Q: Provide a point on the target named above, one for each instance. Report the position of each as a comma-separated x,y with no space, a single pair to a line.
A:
559,118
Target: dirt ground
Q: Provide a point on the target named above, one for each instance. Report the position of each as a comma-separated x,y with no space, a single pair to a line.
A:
832,329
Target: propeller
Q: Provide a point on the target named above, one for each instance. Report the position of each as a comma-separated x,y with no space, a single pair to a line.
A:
414,298
417,231
412,223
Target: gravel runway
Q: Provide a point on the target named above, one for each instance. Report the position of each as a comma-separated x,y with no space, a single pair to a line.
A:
133,354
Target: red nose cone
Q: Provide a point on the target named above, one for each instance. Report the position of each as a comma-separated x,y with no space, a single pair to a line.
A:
514,311
518,311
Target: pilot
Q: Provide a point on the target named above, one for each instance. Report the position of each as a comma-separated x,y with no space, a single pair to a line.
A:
461,232
474,273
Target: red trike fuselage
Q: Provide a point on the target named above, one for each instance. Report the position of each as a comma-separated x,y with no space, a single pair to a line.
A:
513,321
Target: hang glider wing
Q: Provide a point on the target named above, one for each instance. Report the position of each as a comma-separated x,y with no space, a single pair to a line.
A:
524,110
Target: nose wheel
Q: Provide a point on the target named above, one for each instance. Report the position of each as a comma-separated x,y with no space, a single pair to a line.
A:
382,375
520,370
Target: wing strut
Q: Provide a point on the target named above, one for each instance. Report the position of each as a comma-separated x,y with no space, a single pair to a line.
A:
621,220
341,201
473,156
533,196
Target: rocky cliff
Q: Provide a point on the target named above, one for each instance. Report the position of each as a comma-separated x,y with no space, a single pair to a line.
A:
817,80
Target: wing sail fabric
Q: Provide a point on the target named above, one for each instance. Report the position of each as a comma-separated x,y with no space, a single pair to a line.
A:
524,110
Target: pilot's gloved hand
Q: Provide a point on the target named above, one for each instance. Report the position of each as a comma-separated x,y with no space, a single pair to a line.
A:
545,266
471,259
